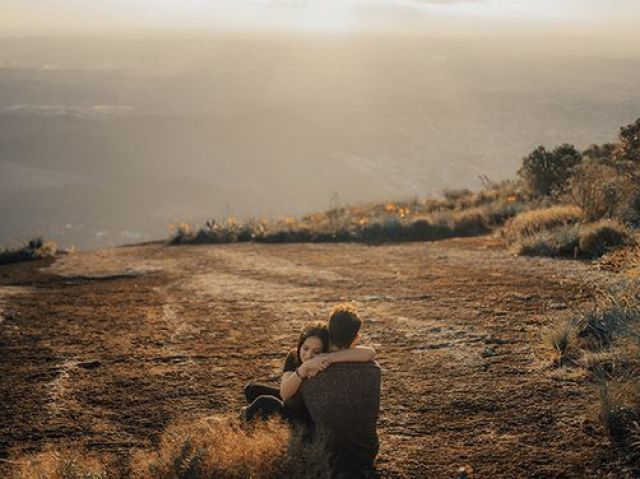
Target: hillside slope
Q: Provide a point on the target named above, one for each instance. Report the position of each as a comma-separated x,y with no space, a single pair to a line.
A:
104,348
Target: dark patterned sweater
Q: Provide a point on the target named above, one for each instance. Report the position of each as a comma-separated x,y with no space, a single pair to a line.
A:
344,401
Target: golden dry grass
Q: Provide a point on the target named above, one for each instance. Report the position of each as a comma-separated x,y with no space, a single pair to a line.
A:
560,338
217,447
226,448
534,221
61,464
597,238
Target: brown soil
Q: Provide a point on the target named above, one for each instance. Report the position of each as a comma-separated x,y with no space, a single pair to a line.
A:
103,349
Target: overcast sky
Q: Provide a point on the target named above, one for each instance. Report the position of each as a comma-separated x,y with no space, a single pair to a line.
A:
596,17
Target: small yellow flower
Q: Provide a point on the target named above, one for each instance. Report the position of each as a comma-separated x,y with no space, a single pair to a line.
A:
390,207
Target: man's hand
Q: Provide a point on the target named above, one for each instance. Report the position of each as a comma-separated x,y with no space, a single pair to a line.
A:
315,365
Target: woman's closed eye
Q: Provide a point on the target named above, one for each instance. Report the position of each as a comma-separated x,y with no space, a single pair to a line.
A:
313,351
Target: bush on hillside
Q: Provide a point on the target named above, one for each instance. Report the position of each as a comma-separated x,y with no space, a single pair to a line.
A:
500,211
546,172
470,222
597,188
457,195
599,153
627,149
36,248
534,221
558,241
597,238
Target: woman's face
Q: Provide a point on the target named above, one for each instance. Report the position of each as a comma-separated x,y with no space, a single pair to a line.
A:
311,346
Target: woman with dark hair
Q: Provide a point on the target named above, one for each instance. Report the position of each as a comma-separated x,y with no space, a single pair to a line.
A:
310,357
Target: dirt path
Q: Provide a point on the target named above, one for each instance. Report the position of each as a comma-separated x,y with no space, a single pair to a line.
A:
105,348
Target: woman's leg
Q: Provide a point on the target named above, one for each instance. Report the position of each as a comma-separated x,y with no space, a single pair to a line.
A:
254,390
265,407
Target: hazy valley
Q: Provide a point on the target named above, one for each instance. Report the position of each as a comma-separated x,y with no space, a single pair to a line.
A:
106,141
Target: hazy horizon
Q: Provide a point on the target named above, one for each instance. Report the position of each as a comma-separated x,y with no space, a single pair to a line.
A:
112,131
450,17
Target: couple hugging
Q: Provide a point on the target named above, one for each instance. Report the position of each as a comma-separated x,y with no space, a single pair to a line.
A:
331,387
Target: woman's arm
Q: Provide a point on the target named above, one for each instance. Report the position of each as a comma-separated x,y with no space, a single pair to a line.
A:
358,354
290,384
291,380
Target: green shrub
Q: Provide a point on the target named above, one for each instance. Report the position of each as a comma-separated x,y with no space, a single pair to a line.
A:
598,189
547,172
598,238
627,149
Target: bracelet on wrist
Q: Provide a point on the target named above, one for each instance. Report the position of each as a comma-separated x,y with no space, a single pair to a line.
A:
298,374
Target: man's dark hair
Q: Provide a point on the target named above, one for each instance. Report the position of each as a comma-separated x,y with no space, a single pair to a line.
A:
344,324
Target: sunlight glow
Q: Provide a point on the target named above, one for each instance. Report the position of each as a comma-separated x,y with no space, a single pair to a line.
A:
310,15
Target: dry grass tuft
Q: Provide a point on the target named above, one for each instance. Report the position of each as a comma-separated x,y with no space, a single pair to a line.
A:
63,464
218,447
559,241
470,222
534,221
598,238
560,338
225,448
620,412
625,259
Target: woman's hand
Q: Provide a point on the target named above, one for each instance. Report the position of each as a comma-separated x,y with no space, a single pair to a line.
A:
315,365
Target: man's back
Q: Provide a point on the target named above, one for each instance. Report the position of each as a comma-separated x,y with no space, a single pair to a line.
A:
344,401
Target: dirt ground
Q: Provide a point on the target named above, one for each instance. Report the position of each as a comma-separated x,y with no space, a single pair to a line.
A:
104,348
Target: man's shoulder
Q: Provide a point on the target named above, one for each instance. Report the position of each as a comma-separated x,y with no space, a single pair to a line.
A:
347,375
369,365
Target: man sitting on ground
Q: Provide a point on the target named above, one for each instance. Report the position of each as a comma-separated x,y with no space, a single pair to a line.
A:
344,401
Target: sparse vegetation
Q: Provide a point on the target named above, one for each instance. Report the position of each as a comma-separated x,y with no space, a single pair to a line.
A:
559,241
540,220
216,448
546,172
36,248
208,448
606,341
61,464
597,238
566,203
561,338
460,213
